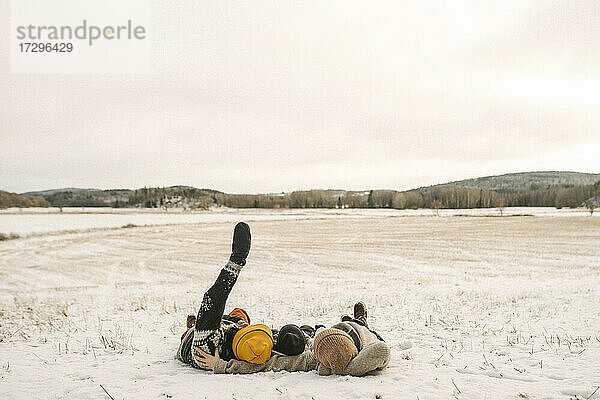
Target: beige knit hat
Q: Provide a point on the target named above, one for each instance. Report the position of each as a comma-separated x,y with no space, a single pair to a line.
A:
334,349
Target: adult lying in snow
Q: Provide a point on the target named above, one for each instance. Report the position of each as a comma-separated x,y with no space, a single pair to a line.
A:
347,348
231,336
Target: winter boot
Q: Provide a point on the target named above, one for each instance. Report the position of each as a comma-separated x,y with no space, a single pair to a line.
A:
190,321
360,313
240,247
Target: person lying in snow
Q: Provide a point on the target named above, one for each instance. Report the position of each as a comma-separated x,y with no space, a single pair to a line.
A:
230,336
229,344
347,348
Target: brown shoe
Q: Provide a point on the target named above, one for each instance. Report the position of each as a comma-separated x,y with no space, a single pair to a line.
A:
190,321
360,312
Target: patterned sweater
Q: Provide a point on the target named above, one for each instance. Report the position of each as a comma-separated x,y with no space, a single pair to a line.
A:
213,330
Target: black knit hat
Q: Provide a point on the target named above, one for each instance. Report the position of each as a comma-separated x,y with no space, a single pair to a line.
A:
290,340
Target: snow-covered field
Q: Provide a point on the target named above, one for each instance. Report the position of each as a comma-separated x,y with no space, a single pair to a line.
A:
27,221
495,308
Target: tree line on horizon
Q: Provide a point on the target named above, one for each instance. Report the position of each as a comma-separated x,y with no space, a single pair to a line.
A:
8,199
437,197
452,197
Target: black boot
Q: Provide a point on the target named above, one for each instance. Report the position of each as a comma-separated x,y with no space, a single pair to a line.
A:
240,247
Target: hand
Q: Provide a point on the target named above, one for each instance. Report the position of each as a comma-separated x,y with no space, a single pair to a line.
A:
205,360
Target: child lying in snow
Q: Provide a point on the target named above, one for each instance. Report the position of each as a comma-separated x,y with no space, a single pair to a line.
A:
347,348
229,344
231,336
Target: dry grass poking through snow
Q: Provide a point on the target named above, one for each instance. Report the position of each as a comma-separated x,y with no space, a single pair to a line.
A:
8,236
494,307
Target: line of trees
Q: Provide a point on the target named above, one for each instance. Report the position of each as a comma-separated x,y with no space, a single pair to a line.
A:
298,199
70,199
8,199
251,200
558,196
436,197
178,196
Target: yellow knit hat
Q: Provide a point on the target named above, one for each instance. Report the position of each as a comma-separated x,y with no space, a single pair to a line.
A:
253,344
334,348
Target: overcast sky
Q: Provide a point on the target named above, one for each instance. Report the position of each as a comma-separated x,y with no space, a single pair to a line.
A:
277,96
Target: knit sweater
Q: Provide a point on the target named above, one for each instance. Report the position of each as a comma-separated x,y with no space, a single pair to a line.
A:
213,330
373,355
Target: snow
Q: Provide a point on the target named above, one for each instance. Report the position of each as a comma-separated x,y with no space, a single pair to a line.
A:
27,221
494,307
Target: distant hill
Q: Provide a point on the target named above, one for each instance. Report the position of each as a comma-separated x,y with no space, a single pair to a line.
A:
523,181
173,196
77,197
50,192
522,189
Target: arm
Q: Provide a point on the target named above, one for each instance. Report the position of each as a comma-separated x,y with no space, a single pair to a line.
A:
278,362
